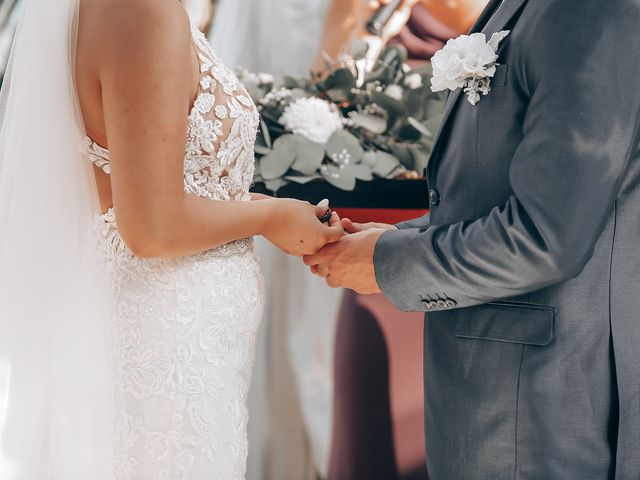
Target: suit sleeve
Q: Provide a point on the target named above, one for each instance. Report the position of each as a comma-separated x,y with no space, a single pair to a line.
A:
420,222
580,132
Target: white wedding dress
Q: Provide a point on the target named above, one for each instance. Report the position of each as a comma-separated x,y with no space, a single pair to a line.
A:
184,329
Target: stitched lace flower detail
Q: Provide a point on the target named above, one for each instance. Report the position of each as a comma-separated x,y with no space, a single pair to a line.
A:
207,83
206,132
221,112
205,102
227,79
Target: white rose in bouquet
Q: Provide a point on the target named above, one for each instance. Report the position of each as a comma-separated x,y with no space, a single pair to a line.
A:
394,91
313,118
265,78
413,81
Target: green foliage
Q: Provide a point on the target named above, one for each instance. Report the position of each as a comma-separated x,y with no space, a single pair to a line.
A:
388,122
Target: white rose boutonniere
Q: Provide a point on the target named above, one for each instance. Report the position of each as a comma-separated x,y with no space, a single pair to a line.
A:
467,62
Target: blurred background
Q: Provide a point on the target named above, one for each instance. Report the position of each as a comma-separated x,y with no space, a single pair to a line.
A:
337,388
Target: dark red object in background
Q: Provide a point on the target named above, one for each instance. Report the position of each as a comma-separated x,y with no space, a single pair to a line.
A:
382,215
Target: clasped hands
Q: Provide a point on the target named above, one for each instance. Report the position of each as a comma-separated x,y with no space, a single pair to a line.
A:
348,262
339,250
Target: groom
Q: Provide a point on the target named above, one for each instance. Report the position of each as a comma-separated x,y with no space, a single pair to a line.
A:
529,263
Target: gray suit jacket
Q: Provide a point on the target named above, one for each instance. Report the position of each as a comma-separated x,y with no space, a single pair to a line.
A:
529,265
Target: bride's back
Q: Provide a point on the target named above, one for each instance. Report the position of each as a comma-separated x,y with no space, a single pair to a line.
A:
119,38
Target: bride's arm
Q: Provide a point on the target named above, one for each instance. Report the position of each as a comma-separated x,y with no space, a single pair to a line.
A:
147,80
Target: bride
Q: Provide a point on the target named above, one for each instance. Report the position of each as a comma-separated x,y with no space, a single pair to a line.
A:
127,354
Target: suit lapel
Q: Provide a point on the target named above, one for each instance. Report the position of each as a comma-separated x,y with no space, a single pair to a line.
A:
494,18
484,17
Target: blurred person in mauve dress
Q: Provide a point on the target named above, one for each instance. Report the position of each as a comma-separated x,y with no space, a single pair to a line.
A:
431,24
378,420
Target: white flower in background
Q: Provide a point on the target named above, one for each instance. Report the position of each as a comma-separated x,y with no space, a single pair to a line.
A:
468,62
413,81
276,96
253,79
265,78
394,91
313,118
247,77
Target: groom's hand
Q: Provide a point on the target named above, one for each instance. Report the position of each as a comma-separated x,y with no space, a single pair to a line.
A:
348,263
354,227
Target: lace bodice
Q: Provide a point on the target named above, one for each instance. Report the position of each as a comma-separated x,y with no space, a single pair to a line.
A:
184,329
221,133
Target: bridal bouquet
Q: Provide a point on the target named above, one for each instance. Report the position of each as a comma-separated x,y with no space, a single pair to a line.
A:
345,126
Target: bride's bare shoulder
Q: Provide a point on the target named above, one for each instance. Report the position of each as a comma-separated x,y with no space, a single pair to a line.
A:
124,25
129,51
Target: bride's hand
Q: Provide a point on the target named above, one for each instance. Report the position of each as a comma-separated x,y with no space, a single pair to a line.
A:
295,228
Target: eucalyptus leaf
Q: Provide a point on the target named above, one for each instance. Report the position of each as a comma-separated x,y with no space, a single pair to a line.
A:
416,100
276,184
302,179
408,134
362,172
373,123
402,152
290,82
261,149
370,159
390,104
264,130
342,142
340,178
389,64
433,107
433,123
424,69
419,126
420,156
385,163
297,93
278,162
339,84
342,79
309,155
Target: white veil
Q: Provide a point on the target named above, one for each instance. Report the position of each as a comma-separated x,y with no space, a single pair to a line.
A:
55,374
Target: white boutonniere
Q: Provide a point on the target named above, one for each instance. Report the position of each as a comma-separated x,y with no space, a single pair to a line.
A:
467,62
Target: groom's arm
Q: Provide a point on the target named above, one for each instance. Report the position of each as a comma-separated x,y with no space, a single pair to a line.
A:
420,222
580,131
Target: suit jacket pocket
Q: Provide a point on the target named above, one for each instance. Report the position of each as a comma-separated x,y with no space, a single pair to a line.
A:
512,322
